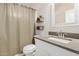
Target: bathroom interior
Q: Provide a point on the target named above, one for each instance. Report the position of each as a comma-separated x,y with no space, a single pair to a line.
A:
39,29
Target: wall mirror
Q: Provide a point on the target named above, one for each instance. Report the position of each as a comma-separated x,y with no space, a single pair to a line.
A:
64,13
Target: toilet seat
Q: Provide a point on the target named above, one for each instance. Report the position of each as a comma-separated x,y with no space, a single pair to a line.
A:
29,49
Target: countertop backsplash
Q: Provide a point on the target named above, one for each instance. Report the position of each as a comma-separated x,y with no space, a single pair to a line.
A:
70,35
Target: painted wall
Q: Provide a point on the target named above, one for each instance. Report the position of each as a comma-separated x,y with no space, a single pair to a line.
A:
44,10
49,18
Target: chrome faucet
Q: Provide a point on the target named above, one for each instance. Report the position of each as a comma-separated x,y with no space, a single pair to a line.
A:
63,35
60,34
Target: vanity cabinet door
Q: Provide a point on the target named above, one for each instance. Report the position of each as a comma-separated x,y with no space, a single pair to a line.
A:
51,50
40,48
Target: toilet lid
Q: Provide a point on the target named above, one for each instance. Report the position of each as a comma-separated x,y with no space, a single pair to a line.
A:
29,47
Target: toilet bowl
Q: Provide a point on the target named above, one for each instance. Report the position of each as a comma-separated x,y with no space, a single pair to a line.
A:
29,50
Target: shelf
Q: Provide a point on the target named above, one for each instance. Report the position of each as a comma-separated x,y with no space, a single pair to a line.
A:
39,21
40,27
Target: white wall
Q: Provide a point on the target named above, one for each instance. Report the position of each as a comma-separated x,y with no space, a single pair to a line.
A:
44,10
49,19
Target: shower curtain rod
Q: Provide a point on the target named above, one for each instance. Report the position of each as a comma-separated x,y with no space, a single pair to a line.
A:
21,4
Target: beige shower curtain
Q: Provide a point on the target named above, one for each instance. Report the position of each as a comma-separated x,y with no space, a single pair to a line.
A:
16,28
3,31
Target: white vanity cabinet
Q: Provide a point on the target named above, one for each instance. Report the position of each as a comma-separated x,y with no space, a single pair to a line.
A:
47,49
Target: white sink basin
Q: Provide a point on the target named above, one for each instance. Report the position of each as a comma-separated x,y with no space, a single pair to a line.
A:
59,40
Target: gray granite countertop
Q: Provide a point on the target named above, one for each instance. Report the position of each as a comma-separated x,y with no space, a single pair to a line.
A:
73,45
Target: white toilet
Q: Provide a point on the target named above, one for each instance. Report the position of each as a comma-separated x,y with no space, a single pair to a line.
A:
29,50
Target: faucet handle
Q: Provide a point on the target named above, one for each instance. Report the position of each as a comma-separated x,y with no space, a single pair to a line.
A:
62,35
